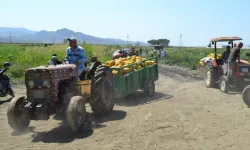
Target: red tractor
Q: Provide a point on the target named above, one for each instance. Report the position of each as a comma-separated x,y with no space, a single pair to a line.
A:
216,70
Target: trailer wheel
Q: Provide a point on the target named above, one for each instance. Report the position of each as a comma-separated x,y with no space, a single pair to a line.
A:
76,113
246,95
224,84
149,87
17,119
102,91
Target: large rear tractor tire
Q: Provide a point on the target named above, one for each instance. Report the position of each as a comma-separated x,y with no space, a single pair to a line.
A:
76,113
17,119
246,95
149,88
210,76
102,91
224,85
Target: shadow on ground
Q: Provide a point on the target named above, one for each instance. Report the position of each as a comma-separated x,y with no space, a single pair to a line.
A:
139,98
97,121
61,134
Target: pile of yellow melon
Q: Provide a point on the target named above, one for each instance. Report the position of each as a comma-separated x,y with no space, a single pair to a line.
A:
211,55
138,63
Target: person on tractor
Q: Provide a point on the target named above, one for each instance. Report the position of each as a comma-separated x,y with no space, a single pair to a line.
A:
226,54
234,55
76,55
54,60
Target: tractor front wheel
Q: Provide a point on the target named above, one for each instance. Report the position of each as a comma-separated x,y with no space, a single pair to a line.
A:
76,113
17,119
224,86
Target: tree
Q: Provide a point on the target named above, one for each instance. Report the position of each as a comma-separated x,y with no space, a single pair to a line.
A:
163,42
209,45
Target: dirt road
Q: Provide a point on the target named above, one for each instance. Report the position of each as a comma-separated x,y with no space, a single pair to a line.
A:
184,115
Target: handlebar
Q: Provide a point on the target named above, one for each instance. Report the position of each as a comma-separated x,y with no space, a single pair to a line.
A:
3,71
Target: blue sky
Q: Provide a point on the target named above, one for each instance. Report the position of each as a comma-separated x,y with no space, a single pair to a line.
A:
197,20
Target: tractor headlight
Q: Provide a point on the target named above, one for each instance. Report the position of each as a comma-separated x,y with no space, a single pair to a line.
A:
46,83
31,83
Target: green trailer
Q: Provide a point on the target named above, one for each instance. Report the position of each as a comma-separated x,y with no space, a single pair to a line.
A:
143,79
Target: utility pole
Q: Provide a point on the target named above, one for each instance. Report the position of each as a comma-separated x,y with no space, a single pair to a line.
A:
10,38
181,43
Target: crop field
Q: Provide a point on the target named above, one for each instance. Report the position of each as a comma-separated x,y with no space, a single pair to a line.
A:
24,56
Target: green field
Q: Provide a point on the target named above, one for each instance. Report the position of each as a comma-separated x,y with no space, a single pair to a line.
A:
24,56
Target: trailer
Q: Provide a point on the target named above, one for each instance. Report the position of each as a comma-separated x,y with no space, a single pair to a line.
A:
143,79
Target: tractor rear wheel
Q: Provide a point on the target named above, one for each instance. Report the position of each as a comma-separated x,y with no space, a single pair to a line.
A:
76,113
102,91
246,95
224,86
210,77
17,119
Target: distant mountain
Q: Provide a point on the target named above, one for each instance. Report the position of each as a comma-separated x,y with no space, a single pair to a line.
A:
22,35
5,31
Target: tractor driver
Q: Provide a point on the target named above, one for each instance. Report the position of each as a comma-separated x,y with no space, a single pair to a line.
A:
234,55
226,54
76,55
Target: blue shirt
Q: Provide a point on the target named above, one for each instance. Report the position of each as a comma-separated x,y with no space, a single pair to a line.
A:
78,54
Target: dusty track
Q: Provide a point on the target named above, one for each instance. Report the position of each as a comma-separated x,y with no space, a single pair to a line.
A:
183,115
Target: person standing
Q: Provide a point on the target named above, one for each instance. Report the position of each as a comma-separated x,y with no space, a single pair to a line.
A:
226,54
140,51
162,54
76,55
234,55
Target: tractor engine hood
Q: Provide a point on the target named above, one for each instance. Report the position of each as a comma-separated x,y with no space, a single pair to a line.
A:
49,77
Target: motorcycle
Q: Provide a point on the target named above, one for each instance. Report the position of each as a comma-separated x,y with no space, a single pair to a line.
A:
5,86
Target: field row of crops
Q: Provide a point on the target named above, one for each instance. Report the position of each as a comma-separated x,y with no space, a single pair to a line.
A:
23,56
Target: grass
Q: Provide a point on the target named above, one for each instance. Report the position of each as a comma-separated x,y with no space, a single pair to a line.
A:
23,57
190,57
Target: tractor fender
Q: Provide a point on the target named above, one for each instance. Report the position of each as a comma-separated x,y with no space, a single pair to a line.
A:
211,63
244,62
92,69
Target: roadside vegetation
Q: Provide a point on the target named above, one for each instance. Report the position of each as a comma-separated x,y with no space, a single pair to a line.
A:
23,57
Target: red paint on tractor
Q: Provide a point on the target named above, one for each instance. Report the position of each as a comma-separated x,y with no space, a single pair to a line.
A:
214,63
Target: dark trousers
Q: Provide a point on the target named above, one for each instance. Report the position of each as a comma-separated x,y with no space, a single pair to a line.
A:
82,75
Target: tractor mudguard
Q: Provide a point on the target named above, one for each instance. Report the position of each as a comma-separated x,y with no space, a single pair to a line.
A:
92,69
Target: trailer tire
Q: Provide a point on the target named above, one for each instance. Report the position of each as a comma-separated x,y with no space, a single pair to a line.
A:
246,95
17,120
102,91
76,113
149,87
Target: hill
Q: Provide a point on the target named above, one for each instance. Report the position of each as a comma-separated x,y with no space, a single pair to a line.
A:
22,35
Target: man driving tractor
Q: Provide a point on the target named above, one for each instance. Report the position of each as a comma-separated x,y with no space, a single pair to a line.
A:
76,55
226,54
234,55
